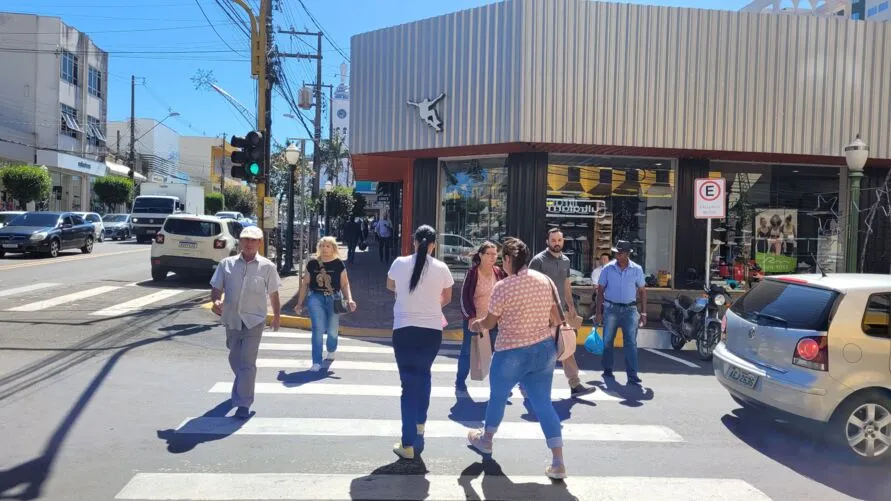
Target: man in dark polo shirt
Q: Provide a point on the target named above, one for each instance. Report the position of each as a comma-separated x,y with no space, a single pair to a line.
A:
553,263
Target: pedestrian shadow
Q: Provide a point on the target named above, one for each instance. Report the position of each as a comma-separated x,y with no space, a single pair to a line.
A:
403,479
300,378
563,407
470,412
25,481
496,485
805,450
180,442
632,395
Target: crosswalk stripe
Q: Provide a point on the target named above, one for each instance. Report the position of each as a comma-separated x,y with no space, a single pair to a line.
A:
597,432
291,363
129,306
56,301
369,390
308,335
314,486
27,288
343,349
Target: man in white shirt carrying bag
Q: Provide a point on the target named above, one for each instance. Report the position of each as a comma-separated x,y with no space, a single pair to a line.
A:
247,280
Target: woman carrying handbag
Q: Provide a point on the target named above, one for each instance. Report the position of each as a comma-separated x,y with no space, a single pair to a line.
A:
523,307
475,295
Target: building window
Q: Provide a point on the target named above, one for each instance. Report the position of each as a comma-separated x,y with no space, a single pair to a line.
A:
94,131
872,11
69,68
95,83
599,200
70,127
883,6
473,197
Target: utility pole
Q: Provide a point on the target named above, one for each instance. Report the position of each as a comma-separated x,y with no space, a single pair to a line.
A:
223,163
302,245
132,127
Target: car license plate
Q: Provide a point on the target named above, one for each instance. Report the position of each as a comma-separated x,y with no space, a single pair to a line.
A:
10,246
189,245
151,232
742,377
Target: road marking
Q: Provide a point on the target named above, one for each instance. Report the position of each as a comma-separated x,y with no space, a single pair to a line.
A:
377,487
27,288
308,335
343,349
49,303
129,306
672,357
290,363
334,427
339,389
66,259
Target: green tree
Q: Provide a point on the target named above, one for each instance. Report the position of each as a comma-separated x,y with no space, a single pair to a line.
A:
340,203
332,153
359,204
213,203
113,190
26,183
239,198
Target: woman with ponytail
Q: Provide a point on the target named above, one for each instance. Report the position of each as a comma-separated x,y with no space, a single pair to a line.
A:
423,285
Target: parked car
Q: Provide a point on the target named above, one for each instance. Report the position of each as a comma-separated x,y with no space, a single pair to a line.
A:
193,245
238,216
96,221
117,226
816,347
47,233
7,216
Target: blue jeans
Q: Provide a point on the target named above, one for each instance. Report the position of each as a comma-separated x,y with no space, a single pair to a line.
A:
464,356
533,366
416,349
626,317
323,318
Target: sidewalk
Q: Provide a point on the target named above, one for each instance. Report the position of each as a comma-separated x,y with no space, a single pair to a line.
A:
374,315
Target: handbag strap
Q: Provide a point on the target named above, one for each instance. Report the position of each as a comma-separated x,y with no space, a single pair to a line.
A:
559,304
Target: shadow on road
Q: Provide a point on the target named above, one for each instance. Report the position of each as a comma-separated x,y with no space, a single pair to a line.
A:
177,443
497,485
413,485
632,395
301,378
804,449
29,477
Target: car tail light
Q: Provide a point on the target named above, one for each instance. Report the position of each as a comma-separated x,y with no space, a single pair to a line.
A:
812,352
219,244
159,238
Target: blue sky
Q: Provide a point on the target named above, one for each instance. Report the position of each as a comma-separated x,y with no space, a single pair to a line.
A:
166,42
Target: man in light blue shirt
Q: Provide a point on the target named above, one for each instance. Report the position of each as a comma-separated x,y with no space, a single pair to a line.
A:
620,284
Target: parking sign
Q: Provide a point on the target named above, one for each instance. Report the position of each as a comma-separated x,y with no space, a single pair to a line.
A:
710,195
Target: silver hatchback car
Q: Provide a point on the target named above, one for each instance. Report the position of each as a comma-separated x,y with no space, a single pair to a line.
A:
818,347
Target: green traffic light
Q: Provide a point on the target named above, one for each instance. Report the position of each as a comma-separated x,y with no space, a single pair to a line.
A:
254,169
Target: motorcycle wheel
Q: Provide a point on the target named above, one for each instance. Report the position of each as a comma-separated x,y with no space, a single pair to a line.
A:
677,342
706,347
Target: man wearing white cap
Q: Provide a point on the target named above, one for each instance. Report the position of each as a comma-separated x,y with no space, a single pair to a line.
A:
245,281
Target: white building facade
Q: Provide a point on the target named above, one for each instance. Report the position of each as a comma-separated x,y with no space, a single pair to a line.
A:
157,149
53,105
858,10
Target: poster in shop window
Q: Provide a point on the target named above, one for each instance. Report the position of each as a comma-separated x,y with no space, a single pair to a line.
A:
776,245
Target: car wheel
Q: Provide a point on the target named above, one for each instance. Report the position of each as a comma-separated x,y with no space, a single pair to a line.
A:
102,235
126,236
88,246
159,274
2,253
862,425
54,248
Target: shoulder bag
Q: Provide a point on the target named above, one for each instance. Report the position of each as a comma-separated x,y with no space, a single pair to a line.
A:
565,334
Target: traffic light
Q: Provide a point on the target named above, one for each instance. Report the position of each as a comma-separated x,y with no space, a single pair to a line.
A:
247,163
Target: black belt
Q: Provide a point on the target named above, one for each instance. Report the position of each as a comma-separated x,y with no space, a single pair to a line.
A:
633,303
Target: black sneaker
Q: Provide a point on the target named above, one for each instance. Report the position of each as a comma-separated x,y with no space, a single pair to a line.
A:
580,389
634,380
608,374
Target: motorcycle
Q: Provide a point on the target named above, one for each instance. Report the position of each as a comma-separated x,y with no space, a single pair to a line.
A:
697,319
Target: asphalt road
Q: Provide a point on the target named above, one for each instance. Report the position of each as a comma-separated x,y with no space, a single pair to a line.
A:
131,404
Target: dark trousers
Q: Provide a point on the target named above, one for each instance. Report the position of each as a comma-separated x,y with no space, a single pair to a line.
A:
384,248
416,349
351,250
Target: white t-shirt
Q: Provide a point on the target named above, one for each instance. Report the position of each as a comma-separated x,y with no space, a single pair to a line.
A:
419,308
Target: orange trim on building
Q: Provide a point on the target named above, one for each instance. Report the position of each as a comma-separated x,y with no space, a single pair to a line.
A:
393,170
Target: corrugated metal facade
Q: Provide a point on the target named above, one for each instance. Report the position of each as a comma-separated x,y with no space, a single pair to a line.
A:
591,73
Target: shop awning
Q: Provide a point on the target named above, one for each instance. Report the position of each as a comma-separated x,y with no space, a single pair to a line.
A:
122,170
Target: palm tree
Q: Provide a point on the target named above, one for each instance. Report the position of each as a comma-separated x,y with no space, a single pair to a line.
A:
332,154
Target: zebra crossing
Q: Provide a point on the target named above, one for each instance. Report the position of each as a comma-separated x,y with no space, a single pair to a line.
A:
96,300
302,410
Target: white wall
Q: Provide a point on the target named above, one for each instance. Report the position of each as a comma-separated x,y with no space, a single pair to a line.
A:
195,157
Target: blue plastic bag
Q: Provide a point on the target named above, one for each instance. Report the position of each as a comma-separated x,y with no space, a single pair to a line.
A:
594,343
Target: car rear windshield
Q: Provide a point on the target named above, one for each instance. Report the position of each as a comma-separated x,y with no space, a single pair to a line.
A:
46,220
149,205
785,304
115,218
191,227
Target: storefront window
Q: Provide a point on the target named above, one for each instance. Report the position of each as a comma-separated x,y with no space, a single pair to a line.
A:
473,197
599,200
780,219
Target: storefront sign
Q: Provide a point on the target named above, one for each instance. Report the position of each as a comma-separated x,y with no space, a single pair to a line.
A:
428,113
575,207
709,199
70,162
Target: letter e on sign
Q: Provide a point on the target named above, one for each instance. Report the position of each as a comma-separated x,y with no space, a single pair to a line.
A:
710,198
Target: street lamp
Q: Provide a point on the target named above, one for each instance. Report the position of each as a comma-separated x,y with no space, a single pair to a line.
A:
292,156
325,191
856,154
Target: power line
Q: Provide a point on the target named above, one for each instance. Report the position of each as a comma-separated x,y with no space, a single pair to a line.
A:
319,27
215,29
